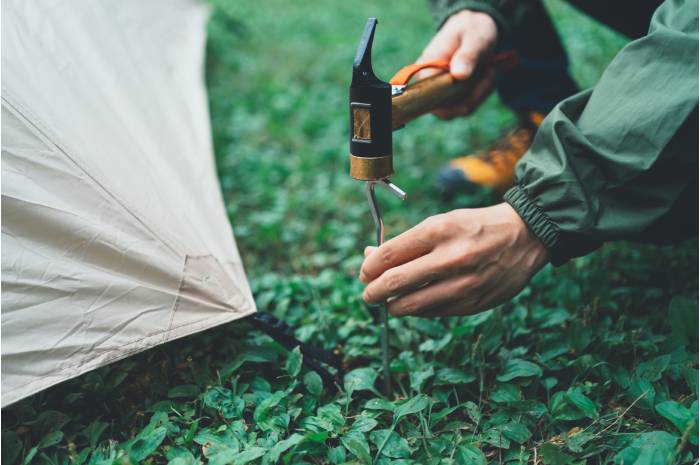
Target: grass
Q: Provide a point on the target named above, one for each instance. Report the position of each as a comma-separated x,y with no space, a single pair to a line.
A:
594,362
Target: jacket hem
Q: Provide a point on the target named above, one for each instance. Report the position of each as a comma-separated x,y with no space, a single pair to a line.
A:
538,222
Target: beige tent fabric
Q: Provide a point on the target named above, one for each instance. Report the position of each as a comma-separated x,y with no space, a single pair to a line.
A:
114,234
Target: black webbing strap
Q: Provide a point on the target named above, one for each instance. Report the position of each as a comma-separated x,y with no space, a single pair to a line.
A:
283,334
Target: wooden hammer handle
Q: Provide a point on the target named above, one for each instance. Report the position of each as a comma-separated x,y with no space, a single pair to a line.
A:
427,95
440,90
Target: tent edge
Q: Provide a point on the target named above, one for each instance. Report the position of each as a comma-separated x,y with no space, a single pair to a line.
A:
119,353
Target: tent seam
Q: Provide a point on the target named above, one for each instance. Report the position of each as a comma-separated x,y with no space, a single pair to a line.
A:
21,111
178,296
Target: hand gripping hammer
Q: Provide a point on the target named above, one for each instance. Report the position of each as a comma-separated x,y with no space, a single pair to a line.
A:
376,109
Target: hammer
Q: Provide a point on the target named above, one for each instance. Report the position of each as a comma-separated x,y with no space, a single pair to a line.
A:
376,109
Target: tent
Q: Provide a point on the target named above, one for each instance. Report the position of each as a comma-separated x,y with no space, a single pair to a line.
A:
114,233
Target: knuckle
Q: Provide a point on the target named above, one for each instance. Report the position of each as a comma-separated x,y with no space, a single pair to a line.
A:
462,257
393,281
435,227
385,254
402,307
429,222
458,258
465,254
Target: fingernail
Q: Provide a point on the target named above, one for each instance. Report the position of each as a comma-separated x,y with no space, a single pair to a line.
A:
460,69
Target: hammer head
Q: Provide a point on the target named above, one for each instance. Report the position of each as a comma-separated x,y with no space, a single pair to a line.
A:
370,115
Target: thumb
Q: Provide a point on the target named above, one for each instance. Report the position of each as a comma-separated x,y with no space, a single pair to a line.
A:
464,61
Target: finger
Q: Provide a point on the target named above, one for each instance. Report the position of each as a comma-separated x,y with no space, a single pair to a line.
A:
434,295
397,251
464,60
441,47
427,72
484,294
369,250
403,278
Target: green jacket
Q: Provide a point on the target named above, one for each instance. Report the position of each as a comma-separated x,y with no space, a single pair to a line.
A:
620,160
506,13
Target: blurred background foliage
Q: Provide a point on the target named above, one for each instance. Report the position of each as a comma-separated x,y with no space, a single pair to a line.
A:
594,362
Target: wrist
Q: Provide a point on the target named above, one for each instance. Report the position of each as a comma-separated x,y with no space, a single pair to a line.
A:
536,254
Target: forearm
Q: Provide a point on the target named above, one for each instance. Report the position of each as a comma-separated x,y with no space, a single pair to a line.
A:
610,163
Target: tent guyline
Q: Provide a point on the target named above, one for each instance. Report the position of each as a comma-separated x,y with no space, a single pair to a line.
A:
314,357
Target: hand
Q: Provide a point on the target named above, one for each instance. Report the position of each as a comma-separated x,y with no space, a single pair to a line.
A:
465,39
457,263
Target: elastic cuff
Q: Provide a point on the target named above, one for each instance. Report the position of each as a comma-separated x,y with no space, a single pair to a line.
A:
473,5
538,222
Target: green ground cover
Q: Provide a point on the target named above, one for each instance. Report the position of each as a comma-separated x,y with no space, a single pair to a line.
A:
594,362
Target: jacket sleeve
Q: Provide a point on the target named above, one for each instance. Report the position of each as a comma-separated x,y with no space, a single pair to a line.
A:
506,13
615,161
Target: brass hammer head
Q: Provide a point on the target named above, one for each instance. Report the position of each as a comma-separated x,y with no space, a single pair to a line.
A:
370,115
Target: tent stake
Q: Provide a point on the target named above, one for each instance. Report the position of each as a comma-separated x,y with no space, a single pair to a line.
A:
383,313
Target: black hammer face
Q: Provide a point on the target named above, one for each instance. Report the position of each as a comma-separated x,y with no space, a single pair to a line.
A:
370,104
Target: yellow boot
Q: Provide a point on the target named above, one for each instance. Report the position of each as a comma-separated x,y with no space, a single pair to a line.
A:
493,167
